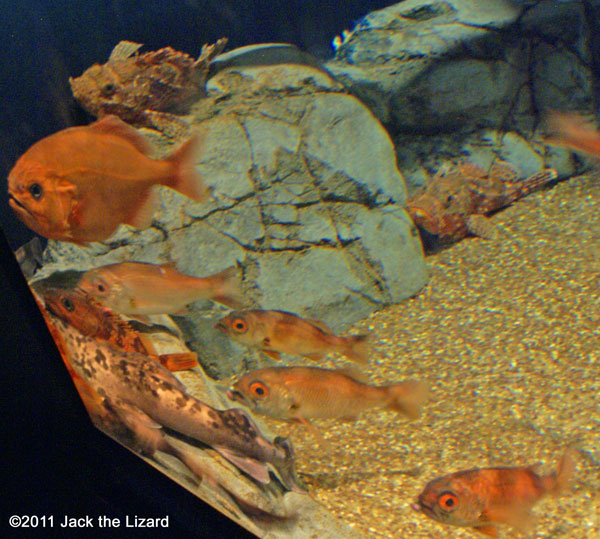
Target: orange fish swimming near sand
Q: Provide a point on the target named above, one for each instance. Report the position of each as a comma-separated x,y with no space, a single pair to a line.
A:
142,289
303,393
277,331
485,497
573,131
81,183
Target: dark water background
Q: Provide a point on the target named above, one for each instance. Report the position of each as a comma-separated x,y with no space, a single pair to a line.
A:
45,42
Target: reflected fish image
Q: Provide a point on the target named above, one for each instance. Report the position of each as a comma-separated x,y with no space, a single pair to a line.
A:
93,320
302,393
142,289
81,183
273,332
573,131
485,497
147,396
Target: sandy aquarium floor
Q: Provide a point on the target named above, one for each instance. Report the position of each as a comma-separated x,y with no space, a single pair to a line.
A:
507,335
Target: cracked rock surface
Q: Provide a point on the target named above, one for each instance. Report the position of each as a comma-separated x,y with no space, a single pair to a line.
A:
469,79
307,198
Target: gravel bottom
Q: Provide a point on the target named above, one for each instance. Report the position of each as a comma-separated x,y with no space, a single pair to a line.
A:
507,335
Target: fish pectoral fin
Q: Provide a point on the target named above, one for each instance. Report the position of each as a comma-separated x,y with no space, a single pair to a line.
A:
482,227
179,361
144,211
314,430
254,468
488,529
515,515
273,354
315,356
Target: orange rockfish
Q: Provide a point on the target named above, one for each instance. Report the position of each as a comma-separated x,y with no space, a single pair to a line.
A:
277,331
302,393
484,497
81,183
573,131
139,288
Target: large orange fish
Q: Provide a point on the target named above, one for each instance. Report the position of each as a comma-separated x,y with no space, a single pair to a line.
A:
485,497
302,393
81,183
141,289
573,131
277,331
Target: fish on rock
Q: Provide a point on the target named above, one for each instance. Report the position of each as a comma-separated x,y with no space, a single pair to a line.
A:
303,393
482,498
147,396
93,320
81,183
573,131
138,87
139,288
274,332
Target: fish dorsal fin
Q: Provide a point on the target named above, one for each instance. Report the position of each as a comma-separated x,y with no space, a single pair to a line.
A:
113,125
354,374
318,324
124,49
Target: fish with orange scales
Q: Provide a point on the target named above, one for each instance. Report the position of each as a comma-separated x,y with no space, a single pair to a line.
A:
483,498
81,183
273,332
94,320
459,198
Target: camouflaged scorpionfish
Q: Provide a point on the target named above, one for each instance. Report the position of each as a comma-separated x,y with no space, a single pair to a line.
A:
143,89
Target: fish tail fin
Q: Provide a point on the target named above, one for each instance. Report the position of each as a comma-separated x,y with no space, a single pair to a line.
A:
573,131
408,397
228,288
185,178
357,348
558,481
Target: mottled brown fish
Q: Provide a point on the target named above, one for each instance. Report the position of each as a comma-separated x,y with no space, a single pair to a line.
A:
303,393
273,332
482,498
146,397
81,183
93,320
136,86
457,200
139,288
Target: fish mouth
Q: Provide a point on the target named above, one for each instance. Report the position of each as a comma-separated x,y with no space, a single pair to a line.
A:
18,206
221,326
234,395
422,507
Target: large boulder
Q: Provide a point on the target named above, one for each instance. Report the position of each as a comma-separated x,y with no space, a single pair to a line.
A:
456,76
307,198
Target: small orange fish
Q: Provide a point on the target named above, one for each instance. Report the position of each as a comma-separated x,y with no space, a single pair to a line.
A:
139,288
81,183
573,131
278,331
302,393
484,497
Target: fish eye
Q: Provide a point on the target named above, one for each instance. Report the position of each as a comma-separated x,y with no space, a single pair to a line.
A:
258,389
109,88
239,324
100,287
36,191
448,501
68,304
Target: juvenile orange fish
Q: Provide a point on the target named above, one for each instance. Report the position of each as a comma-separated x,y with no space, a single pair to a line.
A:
485,497
139,288
302,393
81,183
573,131
278,331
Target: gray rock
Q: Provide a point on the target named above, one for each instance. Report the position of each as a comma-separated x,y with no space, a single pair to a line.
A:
307,198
